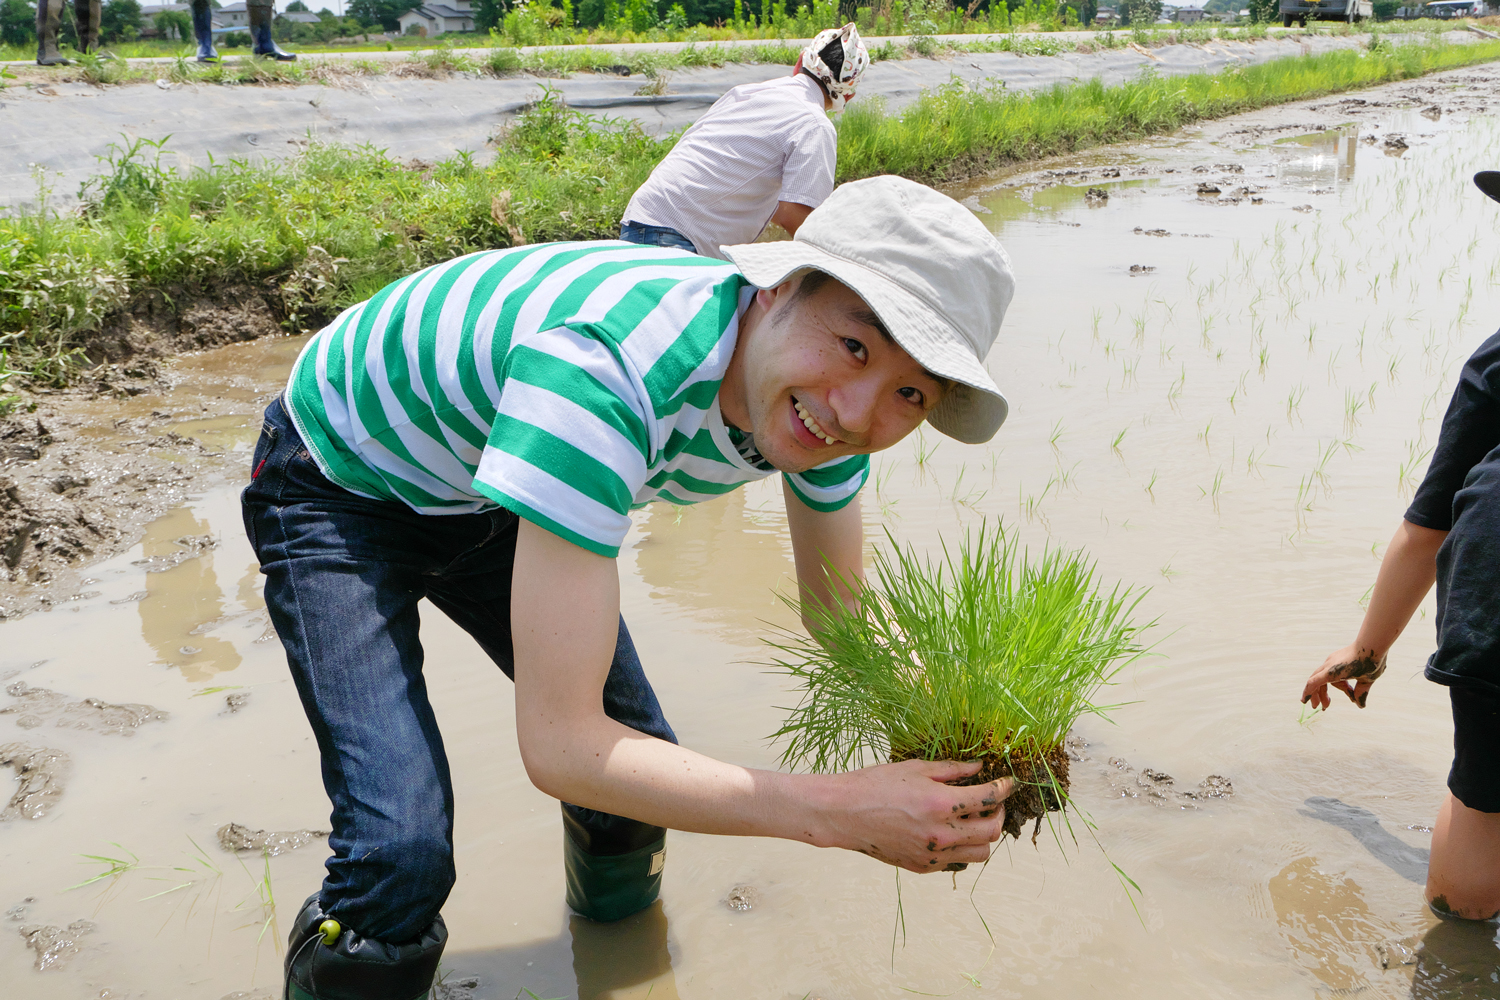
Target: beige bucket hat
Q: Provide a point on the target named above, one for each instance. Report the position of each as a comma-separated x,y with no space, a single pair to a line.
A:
938,280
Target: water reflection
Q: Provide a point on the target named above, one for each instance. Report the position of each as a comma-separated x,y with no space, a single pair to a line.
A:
1458,960
1319,159
626,960
1328,926
183,598
723,560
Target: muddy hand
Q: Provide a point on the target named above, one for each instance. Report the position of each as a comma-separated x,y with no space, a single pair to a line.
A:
905,815
1351,670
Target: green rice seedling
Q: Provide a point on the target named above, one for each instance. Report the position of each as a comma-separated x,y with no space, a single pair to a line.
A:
1294,399
1406,479
1114,445
1057,433
1151,486
1203,434
989,654
113,867
1353,404
924,451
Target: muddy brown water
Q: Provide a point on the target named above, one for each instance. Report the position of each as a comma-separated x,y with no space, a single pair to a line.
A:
1237,423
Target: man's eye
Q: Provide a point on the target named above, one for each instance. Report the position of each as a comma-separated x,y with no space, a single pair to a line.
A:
911,395
854,347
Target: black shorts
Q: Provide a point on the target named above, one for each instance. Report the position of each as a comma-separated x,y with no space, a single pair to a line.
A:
1475,778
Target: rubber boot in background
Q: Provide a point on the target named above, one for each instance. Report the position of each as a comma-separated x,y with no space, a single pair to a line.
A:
326,961
614,871
203,30
261,15
48,21
86,16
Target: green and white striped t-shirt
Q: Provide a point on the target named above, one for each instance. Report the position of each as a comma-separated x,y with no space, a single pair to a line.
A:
568,382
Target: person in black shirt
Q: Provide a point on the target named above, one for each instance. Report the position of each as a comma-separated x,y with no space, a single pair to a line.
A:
1451,535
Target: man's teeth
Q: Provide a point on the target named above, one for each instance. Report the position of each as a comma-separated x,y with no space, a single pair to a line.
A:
812,425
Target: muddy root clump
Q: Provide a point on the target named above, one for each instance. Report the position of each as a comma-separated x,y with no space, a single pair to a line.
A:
1039,779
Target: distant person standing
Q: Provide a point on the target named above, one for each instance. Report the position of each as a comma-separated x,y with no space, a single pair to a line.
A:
763,153
1451,535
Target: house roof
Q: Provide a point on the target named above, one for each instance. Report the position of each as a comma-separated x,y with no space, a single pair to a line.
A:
232,8
301,16
443,10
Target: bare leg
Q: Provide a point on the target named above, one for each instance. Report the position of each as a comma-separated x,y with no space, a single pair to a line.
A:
1463,878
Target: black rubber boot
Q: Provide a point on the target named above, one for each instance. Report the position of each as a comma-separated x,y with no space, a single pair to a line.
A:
203,31
326,961
261,15
48,21
613,865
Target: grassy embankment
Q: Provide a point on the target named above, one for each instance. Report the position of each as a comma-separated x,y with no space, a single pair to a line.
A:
332,225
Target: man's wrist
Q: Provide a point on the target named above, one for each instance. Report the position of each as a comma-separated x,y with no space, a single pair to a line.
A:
804,808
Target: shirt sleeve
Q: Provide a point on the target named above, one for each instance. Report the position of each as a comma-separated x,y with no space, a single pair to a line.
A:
830,486
1471,430
807,174
568,447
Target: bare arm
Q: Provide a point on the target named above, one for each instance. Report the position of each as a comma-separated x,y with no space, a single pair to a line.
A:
822,542
789,216
565,611
1406,574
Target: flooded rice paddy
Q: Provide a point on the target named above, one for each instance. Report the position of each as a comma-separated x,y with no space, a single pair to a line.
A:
1226,395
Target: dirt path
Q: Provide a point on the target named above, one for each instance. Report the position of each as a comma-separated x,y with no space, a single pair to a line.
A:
64,128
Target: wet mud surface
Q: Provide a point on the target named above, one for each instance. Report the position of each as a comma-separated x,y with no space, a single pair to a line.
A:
84,470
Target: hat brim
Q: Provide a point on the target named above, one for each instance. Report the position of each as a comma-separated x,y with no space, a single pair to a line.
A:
1488,181
972,409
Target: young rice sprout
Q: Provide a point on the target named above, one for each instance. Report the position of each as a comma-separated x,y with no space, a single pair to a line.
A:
989,654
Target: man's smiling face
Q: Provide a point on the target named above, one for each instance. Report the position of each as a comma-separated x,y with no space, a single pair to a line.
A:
815,377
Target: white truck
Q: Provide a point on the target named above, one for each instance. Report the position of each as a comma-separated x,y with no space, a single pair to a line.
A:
1301,11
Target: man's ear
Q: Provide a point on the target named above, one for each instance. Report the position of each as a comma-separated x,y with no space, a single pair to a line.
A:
768,297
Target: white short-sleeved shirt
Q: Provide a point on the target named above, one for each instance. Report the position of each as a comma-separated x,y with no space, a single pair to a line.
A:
759,144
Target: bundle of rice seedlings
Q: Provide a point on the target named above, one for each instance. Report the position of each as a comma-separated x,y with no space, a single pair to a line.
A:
989,656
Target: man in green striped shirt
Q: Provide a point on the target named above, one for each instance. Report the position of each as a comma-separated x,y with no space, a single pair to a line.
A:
478,434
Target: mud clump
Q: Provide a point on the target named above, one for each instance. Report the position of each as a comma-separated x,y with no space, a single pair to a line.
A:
42,774
235,838
162,322
37,705
55,945
1036,793
1160,788
1096,196
456,989
742,898
189,547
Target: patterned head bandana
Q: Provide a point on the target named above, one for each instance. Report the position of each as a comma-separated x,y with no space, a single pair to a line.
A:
837,58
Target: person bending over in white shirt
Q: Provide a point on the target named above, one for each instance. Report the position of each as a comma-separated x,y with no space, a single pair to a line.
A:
763,153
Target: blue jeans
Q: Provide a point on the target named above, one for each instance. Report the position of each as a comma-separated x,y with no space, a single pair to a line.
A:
344,575
655,236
